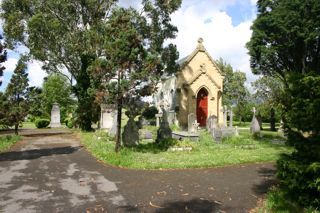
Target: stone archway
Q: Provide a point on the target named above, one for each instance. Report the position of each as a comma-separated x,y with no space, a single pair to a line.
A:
202,107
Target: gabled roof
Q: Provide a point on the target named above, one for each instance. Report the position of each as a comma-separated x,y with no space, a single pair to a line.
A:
200,48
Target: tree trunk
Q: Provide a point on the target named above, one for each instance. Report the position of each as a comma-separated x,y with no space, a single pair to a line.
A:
16,126
119,113
118,138
272,120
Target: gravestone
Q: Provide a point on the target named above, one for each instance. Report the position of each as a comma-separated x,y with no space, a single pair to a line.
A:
55,116
107,116
164,131
145,134
113,130
217,135
231,117
130,135
255,127
280,130
212,123
158,116
191,121
171,117
225,115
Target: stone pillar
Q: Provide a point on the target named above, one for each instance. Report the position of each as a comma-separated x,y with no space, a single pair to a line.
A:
231,118
55,116
158,116
225,116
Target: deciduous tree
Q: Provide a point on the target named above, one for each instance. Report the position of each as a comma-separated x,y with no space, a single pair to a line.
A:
64,35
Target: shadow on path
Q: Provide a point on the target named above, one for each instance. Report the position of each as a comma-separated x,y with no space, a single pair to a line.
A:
36,153
194,205
269,180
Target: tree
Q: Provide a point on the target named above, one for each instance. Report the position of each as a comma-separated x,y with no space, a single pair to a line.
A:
3,58
16,93
268,91
35,102
135,57
64,35
56,88
285,44
234,91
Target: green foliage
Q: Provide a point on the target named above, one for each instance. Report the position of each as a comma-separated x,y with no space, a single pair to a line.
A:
3,58
7,141
52,92
285,45
42,123
69,122
234,91
16,96
65,36
285,38
150,112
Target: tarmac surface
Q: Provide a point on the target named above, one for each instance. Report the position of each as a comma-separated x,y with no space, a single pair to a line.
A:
51,172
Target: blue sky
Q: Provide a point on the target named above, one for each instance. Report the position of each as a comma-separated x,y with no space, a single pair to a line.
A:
223,24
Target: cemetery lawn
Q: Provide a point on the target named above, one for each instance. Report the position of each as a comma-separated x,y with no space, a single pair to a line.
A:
7,141
205,153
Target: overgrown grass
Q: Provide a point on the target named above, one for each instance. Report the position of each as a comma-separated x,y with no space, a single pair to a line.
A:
277,202
205,153
7,141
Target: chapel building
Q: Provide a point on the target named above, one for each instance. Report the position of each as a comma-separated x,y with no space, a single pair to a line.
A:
196,88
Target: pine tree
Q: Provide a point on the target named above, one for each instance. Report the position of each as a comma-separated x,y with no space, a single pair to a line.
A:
3,58
16,93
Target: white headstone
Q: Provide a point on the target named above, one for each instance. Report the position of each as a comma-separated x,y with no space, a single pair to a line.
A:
191,121
107,117
55,116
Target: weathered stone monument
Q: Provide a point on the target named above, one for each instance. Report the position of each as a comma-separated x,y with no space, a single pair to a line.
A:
255,127
130,135
55,116
191,123
164,131
108,119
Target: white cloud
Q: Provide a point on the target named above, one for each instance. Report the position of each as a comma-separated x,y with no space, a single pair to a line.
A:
36,74
10,64
214,25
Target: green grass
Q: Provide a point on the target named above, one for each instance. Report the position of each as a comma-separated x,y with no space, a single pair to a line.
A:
277,202
7,141
28,125
205,153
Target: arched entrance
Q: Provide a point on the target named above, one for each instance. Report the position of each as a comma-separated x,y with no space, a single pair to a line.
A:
202,107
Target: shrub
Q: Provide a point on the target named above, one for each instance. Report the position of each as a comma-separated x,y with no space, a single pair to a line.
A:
69,122
42,123
150,112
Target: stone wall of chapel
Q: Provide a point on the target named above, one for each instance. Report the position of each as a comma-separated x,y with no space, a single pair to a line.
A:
188,95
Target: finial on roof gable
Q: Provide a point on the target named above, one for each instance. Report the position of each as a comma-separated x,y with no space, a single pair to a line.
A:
200,46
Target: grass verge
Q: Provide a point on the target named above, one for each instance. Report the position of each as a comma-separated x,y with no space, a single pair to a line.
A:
277,202
7,141
205,153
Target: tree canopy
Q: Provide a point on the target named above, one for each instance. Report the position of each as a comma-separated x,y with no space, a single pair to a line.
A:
135,57
16,96
285,44
63,35
3,58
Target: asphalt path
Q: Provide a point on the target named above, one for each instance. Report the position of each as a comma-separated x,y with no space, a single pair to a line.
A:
51,172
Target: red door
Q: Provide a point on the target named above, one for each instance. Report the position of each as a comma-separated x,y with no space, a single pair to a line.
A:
202,107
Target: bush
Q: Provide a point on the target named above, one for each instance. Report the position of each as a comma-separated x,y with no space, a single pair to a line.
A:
42,123
150,112
300,172
69,122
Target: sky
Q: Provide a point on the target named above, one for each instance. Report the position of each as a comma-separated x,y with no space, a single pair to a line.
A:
224,26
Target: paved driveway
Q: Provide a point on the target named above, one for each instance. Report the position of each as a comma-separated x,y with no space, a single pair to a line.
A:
51,172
